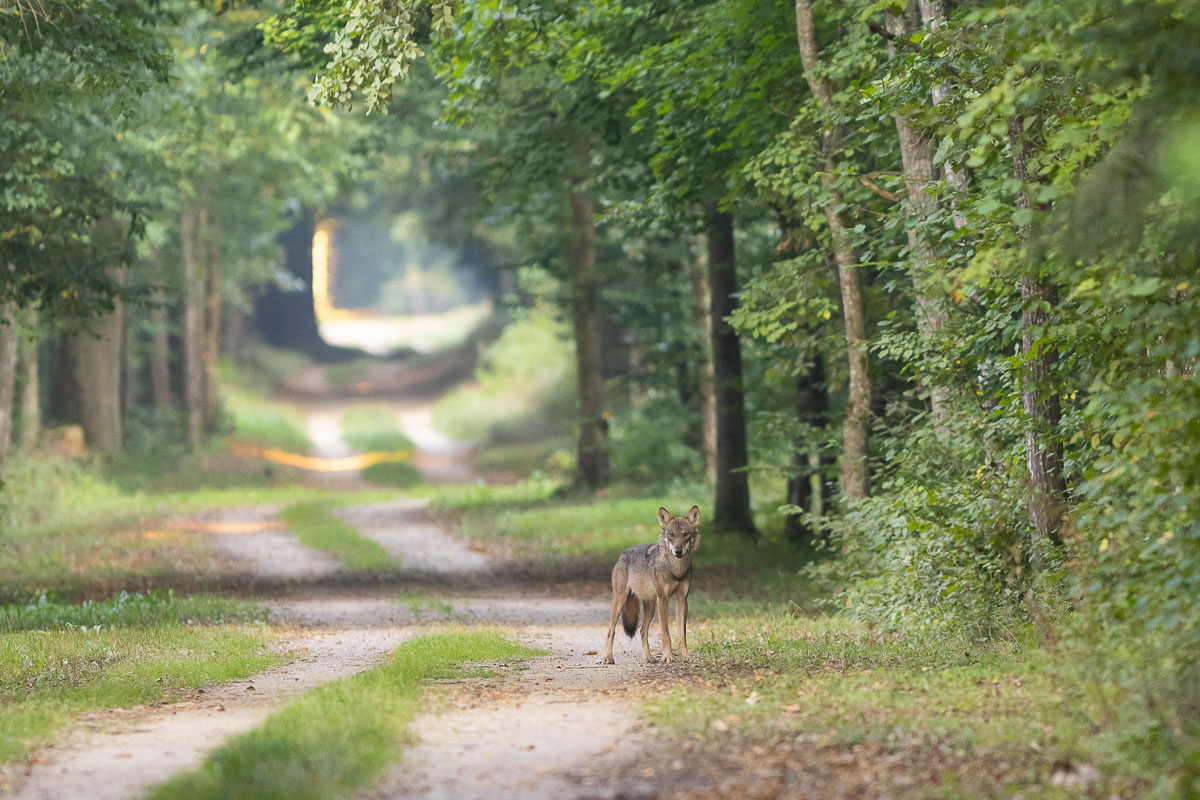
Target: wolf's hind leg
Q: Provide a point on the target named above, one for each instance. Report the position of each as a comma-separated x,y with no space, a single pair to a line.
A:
647,618
612,629
620,587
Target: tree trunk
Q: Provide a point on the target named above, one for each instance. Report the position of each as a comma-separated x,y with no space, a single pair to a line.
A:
235,332
933,16
593,427
731,512
160,353
916,157
193,325
97,361
31,390
812,408
858,400
702,314
212,321
1043,449
8,375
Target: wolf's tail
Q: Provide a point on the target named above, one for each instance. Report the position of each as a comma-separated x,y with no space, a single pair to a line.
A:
629,614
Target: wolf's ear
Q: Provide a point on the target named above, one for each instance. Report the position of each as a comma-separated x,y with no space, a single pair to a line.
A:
664,517
693,516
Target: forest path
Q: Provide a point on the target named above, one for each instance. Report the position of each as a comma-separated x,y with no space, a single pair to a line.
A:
546,731
565,727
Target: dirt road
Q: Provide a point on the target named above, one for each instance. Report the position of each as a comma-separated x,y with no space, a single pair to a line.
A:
566,727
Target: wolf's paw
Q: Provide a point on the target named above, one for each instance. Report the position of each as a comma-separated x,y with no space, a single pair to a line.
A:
667,658
683,655
608,660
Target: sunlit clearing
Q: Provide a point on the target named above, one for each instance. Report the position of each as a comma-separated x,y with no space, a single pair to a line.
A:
377,329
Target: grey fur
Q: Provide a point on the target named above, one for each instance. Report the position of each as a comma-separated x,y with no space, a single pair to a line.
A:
647,576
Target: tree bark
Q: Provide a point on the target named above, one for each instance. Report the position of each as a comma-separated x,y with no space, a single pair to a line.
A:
933,16
160,353
731,512
235,332
212,321
702,314
1043,448
812,408
193,326
593,427
97,362
31,390
8,375
858,400
916,157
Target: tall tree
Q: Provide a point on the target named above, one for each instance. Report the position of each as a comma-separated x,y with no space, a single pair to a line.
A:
97,359
191,227
731,508
31,385
702,315
858,401
593,427
160,351
8,371
916,157
211,247
805,487
1040,394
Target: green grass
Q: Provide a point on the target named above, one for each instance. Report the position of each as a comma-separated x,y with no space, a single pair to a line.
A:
459,498
392,473
423,606
338,737
989,719
260,421
69,529
374,429
314,524
57,660
156,607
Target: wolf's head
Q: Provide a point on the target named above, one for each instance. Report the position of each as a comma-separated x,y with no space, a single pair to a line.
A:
679,535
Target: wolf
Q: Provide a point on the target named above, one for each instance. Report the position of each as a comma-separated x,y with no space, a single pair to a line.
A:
648,576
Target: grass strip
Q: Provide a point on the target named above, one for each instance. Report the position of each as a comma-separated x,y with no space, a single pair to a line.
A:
370,429
315,526
338,737
376,429
156,607
56,661
264,422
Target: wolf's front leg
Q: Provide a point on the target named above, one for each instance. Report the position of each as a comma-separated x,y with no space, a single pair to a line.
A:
681,615
666,632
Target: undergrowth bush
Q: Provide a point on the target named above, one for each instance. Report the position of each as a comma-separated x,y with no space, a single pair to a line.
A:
526,373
